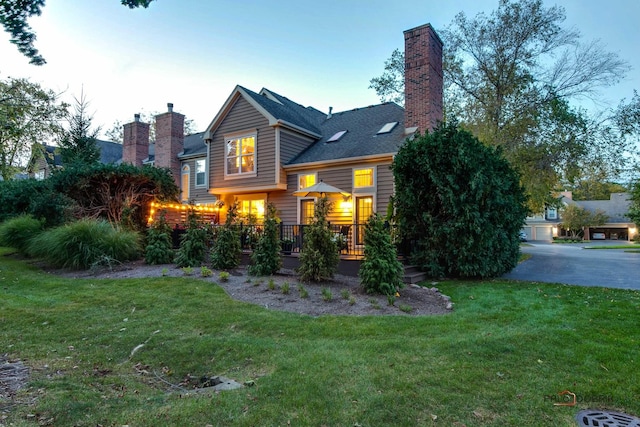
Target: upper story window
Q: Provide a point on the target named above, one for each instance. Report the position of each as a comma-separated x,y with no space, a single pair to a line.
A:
363,178
200,173
552,213
240,155
307,180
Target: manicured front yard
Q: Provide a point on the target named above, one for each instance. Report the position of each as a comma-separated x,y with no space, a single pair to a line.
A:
499,359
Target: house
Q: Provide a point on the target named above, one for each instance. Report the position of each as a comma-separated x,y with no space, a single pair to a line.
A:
619,227
49,158
261,147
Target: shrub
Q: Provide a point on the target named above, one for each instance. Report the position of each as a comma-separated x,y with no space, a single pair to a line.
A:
36,198
205,271
85,243
319,257
223,276
227,249
326,295
265,257
159,249
380,271
17,232
193,243
460,203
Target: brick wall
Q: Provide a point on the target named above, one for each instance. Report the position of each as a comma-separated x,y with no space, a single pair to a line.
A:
135,144
423,78
169,141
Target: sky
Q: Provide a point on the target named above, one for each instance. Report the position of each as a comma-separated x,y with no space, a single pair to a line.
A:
193,53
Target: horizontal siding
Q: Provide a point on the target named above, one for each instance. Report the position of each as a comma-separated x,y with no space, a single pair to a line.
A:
200,194
292,144
286,203
385,188
243,116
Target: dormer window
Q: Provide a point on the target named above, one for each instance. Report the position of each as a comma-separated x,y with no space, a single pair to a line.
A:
336,136
240,155
387,128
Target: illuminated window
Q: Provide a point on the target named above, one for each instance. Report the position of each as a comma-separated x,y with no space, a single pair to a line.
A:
363,178
251,207
184,182
200,173
307,209
305,181
240,155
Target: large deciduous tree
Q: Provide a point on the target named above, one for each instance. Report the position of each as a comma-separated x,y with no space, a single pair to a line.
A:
15,13
509,76
29,114
460,204
576,218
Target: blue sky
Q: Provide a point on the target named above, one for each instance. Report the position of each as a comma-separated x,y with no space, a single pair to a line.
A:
193,52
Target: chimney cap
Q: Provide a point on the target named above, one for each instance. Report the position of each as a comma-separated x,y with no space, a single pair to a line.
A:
136,117
170,107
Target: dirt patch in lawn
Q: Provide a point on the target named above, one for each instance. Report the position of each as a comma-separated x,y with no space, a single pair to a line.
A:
284,291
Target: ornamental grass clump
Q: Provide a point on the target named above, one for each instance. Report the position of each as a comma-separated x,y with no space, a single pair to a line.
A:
86,243
17,232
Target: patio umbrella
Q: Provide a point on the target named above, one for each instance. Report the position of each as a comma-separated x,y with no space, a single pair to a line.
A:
320,189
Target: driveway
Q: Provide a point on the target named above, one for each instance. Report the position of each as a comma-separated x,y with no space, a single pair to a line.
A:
574,265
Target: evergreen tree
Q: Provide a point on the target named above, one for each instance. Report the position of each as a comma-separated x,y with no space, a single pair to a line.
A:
380,271
78,145
266,256
159,249
319,257
227,249
193,244
460,202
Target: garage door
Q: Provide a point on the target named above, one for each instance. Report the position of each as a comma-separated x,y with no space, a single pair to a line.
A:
527,231
544,233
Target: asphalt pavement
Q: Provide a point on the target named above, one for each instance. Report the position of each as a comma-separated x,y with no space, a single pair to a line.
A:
572,264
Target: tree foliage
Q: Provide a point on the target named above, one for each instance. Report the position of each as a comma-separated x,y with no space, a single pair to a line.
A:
193,243
576,218
459,203
36,198
159,248
227,249
634,209
15,13
380,271
319,257
28,114
78,144
117,193
508,79
266,259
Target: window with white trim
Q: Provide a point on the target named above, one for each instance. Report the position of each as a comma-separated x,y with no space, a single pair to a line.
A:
306,180
240,156
363,178
251,207
200,173
184,182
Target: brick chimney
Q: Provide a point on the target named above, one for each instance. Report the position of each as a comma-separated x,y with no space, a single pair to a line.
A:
423,86
135,142
169,141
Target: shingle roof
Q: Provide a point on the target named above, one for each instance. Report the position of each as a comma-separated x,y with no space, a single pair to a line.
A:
194,145
287,110
361,139
110,152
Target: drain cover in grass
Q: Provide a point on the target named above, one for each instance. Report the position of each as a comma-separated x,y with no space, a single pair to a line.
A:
597,418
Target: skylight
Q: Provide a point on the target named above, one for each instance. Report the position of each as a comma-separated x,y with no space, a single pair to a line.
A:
336,136
387,128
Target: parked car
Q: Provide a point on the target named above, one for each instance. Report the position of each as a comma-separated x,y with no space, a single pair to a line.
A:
598,236
523,236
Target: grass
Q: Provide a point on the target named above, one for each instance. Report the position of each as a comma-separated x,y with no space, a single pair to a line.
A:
498,359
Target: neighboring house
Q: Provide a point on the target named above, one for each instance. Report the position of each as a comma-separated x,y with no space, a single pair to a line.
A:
261,147
618,227
50,158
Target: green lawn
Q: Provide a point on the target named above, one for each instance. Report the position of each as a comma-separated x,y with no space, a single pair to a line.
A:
495,361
